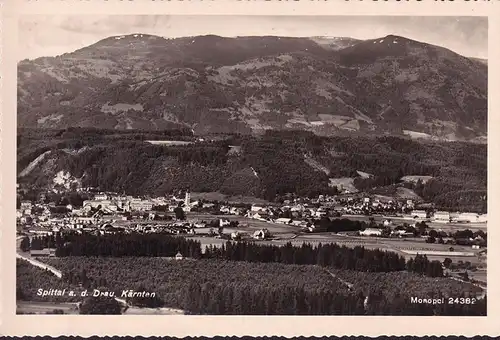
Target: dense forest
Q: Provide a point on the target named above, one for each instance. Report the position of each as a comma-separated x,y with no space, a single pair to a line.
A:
154,245
232,287
29,279
267,166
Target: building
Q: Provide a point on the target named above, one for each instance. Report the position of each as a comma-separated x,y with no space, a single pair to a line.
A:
263,216
236,235
419,214
261,234
283,220
315,228
402,233
224,222
470,218
81,220
256,208
371,232
100,197
40,231
26,205
141,205
442,216
179,256
103,204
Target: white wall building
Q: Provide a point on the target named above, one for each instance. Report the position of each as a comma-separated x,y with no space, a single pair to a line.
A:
469,217
371,232
283,220
141,205
442,216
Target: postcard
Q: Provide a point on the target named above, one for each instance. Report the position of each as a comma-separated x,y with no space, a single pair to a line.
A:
249,168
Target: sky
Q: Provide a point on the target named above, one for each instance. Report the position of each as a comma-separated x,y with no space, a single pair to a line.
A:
41,35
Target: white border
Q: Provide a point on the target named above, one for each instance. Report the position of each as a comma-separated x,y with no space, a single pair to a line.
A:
180,326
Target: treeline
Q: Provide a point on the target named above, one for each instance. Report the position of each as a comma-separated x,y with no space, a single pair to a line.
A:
461,193
328,255
420,264
337,225
97,133
156,245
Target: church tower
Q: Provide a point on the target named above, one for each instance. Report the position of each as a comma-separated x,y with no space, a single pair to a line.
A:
187,199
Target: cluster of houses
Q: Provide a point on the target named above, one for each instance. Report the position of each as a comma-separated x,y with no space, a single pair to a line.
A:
100,213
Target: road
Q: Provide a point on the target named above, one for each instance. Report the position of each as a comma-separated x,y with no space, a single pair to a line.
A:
345,283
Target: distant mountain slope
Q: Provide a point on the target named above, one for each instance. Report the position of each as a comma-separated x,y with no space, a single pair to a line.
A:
250,84
453,175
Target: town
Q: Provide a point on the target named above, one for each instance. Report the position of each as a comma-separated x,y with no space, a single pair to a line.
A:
111,213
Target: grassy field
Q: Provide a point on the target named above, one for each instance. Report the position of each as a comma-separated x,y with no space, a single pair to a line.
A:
43,307
217,196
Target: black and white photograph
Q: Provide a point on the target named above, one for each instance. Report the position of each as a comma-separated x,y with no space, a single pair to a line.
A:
252,165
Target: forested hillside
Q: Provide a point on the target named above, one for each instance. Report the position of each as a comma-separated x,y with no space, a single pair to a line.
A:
267,166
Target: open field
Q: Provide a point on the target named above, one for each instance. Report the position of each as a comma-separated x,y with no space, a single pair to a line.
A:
153,311
31,307
347,183
246,224
39,307
217,196
282,234
424,179
434,225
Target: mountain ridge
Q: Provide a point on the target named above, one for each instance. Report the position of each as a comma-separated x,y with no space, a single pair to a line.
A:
251,84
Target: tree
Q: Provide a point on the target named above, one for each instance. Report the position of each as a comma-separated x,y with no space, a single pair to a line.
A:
465,276
179,214
100,306
447,262
25,244
149,302
422,228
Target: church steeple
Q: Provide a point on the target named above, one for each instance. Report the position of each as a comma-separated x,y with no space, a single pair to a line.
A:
187,199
